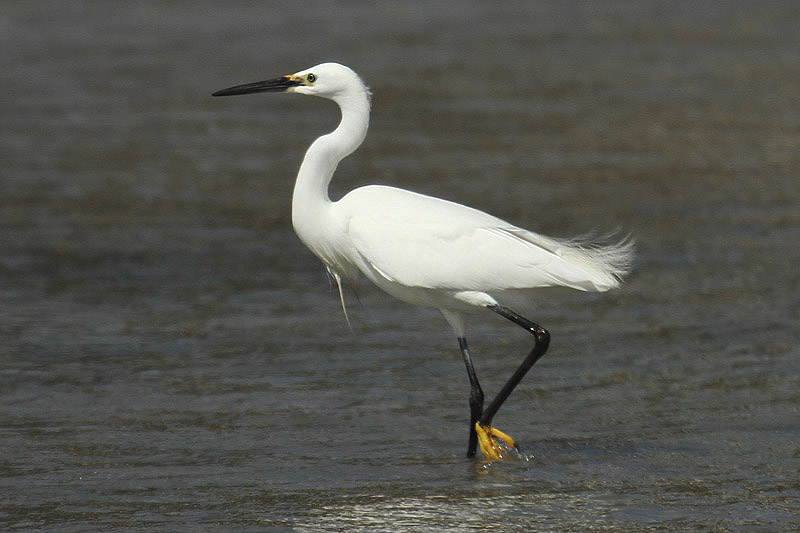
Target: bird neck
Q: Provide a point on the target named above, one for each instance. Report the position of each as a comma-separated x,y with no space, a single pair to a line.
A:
311,187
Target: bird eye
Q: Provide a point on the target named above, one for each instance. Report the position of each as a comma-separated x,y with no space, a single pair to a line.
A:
311,78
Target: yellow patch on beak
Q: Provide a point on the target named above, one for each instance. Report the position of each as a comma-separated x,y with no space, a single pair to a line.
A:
299,80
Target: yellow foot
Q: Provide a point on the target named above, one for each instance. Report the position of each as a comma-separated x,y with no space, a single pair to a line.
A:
494,443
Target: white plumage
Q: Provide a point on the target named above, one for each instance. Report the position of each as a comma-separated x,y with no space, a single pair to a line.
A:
421,249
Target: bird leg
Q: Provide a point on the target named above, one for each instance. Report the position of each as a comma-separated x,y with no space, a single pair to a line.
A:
475,398
492,441
488,436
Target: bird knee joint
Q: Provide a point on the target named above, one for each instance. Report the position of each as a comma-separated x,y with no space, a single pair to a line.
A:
542,337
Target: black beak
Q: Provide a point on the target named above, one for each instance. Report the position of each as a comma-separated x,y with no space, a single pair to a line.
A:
276,85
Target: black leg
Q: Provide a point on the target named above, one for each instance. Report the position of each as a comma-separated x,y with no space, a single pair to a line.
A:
542,338
475,397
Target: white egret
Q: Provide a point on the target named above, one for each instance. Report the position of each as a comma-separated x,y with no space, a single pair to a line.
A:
427,251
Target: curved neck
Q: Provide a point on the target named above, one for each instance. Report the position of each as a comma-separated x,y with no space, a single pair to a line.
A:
324,154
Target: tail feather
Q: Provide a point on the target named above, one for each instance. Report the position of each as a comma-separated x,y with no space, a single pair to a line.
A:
590,263
609,261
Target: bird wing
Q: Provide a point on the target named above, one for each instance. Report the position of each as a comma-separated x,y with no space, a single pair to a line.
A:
421,241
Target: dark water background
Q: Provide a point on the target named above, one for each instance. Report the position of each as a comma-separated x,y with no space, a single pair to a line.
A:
172,358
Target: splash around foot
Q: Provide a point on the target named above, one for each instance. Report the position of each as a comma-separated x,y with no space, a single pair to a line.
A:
495,444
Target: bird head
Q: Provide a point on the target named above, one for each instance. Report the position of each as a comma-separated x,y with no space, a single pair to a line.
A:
327,80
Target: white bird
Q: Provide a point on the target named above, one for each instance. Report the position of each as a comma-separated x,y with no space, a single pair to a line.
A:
427,251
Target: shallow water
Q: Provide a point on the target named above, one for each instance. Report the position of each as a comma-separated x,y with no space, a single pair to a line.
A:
172,358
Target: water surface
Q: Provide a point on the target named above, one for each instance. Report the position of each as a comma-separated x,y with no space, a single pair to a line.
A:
172,358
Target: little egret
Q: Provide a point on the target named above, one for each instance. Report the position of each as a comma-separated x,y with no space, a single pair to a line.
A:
427,251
